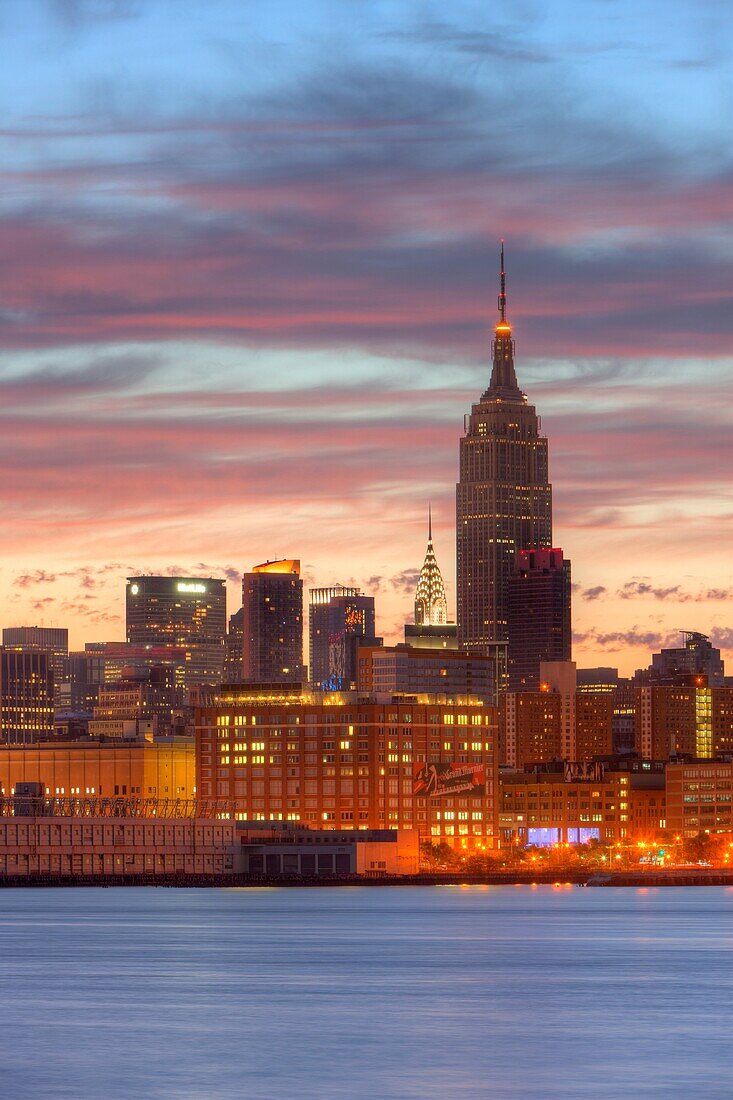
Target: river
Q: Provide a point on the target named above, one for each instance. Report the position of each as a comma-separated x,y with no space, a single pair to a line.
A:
385,992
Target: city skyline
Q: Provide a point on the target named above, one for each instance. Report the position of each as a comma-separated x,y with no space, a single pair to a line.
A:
226,333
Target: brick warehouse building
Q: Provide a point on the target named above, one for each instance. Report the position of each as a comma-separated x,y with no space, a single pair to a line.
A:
348,762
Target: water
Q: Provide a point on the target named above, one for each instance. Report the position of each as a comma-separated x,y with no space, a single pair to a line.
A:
516,992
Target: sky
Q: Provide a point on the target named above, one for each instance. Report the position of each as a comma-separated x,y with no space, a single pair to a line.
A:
248,277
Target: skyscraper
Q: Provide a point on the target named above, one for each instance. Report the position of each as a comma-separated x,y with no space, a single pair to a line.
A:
184,612
53,639
26,695
431,606
503,497
340,619
538,615
272,623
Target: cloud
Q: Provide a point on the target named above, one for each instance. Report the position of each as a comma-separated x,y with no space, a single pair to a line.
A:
722,637
633,589
676,593
593,593
619,640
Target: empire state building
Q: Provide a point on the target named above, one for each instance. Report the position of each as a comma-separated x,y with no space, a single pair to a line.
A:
503,497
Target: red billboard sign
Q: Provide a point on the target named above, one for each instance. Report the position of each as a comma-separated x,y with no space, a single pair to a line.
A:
439,780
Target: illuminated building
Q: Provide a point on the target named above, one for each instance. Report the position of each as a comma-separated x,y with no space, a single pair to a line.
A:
503,497
103,770
693,720
606,681
26,695
403,670
557,805
346,762
188,613
581,803
51,639
699,797
272,623
538,615
531,728
233,667
431,606
340,620
593,726
555,723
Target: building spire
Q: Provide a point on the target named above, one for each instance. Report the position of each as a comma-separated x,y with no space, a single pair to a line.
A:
503,384
431,606
502,284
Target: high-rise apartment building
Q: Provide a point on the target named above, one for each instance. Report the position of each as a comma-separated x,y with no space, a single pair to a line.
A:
188,613
272,623
538,615
683,719
503,497
340,620
26,696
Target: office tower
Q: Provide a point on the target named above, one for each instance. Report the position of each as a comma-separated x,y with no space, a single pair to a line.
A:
26,696
503,497
52,639
538,615
233,656
272,623
340,621
187,613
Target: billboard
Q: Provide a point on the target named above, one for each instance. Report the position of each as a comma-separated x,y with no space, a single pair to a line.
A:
438,780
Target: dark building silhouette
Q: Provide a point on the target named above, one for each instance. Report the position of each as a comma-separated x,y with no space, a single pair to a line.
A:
503,497
697,657
233,667
272,623
538,615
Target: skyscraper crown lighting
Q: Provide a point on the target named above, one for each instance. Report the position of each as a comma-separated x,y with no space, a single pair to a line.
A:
431,606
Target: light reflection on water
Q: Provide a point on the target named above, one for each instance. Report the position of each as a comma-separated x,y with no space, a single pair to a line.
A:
551,992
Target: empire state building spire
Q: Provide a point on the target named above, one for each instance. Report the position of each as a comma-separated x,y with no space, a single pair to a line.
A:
431,606
503,384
